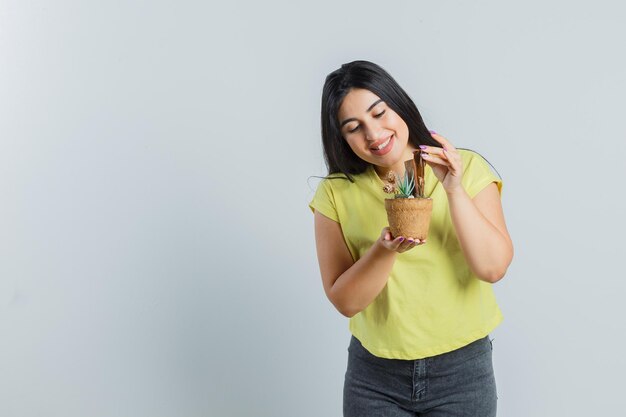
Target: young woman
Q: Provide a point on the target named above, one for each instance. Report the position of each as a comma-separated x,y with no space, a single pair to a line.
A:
420,311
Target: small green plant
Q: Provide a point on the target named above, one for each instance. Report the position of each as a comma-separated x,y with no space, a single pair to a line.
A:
405,186
401,188
412,184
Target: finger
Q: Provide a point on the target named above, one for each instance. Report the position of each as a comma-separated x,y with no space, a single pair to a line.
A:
435,159
407,244
431,149
452,155
455,161
396,243
444,142
416,242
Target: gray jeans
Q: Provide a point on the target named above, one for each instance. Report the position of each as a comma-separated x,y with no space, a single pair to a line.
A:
460,383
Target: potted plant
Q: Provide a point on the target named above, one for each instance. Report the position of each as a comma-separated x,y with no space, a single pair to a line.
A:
409,211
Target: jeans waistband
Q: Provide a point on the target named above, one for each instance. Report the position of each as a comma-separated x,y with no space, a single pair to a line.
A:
459,355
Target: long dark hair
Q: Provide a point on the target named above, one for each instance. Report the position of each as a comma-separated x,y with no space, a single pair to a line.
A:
369,76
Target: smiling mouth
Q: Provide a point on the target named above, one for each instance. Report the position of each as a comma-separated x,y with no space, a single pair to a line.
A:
382,145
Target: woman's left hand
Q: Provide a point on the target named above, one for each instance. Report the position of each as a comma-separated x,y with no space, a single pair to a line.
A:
446,163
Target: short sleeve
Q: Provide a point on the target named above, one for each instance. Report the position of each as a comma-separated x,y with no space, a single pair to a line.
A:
324,201
478,174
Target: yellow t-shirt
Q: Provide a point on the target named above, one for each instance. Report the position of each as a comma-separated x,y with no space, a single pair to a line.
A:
432,302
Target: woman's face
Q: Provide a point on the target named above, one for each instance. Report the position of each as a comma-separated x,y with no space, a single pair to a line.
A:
374,132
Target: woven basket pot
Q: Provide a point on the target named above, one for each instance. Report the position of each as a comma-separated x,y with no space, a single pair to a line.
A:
409,217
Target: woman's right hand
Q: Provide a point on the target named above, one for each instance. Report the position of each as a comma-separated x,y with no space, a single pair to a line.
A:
400,243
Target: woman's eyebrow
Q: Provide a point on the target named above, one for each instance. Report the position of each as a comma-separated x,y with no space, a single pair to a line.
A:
368,109
373,104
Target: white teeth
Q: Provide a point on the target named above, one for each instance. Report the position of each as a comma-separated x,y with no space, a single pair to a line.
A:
385,143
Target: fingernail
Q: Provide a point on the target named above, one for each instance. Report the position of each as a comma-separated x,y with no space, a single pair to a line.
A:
422,147
411,241
432,132
401,239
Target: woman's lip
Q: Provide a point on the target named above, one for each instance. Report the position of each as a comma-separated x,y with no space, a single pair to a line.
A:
386,149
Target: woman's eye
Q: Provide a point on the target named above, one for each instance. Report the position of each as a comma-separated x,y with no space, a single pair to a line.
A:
354,130
379,114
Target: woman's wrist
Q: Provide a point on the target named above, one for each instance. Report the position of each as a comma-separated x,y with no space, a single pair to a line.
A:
456,192
379,249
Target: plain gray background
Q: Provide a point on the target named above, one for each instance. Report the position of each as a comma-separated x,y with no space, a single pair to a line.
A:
157,253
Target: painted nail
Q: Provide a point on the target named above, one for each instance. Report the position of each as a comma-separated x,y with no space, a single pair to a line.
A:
422,147
411,241
401,239
432,132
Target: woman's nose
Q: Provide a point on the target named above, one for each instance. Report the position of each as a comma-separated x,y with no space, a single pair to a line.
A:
373,134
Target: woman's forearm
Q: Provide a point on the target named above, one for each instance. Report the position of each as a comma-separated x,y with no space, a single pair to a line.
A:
487,251
358,286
